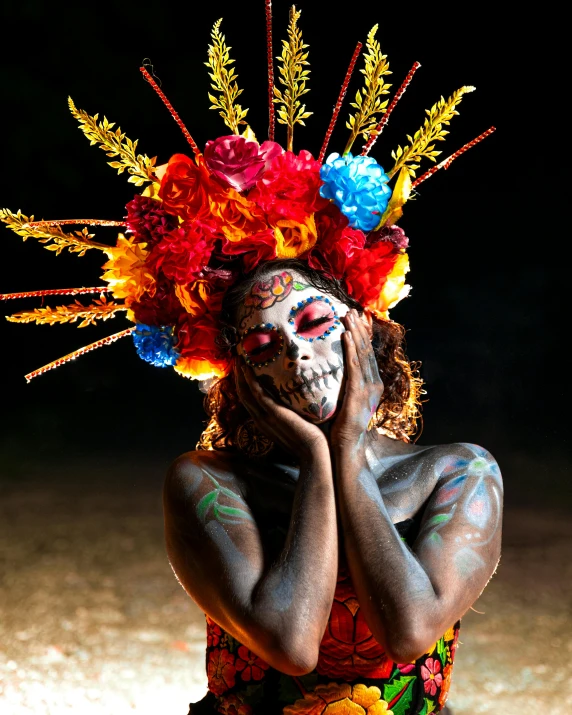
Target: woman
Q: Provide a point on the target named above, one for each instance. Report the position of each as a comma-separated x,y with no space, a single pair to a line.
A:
332,557
330,568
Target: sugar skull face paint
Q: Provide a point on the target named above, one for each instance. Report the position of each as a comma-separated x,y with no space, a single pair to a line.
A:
290,333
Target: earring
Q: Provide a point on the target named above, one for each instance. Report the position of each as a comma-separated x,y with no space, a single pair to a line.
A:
251,441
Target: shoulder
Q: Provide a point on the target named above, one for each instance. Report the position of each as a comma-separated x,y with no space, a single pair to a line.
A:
464,459
193,473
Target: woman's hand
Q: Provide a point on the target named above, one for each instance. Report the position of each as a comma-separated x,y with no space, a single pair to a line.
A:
363,385
279,423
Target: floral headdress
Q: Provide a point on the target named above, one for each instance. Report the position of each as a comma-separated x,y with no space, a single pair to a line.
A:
203,222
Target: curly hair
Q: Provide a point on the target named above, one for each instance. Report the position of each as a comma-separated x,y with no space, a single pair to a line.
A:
398,411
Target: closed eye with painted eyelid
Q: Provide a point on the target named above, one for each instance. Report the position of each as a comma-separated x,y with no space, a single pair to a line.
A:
314,320
262,346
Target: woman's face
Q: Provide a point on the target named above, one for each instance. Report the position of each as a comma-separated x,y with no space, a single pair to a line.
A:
290,333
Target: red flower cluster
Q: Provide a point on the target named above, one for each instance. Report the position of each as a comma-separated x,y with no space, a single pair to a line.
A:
367,271
289,189
182,254
338,243
220,216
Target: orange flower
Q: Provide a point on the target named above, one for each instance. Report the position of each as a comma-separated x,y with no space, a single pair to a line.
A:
447,673
220,671
184,188
235,216
294,239
340,699
200,297
233,705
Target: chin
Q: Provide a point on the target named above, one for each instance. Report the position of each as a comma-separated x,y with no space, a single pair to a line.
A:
318,408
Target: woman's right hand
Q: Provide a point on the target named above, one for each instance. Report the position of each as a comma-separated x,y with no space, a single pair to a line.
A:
279,423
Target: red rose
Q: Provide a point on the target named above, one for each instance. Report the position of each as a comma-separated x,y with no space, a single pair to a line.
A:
367,271
337,242
184,188
182,254
238,161
289,188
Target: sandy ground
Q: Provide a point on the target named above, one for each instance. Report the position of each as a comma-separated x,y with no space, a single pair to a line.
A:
93,621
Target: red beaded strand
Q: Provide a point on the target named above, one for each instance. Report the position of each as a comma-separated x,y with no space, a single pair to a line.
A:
77,353
338,106
270,60
171,109
54,291
400,92
72,221
446,163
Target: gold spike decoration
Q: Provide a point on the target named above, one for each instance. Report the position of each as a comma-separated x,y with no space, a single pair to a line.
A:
114,143
223,80
89,314
293,76
369,103
77,242
433,129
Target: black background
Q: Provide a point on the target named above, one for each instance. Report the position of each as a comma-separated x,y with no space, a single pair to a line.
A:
487,246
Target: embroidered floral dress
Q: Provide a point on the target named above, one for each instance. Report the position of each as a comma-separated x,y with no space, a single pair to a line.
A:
353,675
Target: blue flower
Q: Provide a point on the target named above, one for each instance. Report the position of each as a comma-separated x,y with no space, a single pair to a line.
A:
358,187
156,344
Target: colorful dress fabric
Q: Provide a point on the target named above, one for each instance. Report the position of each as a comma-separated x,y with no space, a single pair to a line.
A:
353,675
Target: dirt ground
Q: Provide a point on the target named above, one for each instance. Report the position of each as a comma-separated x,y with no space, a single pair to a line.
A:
93,621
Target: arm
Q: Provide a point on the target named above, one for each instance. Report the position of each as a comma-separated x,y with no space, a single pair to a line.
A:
278,610
410,597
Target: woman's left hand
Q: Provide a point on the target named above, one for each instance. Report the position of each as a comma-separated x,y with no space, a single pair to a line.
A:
363,385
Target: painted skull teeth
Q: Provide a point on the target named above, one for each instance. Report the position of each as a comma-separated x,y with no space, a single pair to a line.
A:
295,309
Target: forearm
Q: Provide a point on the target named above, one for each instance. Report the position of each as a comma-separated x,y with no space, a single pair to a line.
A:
296,594
394,591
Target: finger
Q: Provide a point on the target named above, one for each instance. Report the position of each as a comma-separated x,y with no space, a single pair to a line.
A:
366,352
354,371
353,321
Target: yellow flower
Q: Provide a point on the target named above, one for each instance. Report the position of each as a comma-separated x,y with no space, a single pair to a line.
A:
126,271
394,288
340,699
293,239
449,634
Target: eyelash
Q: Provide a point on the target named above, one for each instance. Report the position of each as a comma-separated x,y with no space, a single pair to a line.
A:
316,321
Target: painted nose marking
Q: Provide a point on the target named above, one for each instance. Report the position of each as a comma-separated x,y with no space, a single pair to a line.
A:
293,351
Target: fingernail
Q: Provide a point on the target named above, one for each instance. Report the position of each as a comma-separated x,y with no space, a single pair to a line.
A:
352,319
350,338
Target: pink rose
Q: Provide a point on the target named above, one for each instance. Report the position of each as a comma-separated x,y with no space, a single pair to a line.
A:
238,161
